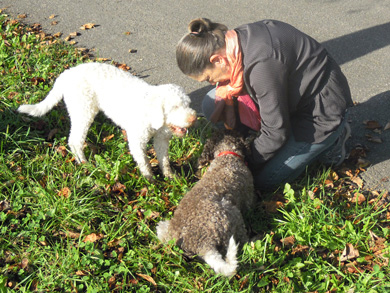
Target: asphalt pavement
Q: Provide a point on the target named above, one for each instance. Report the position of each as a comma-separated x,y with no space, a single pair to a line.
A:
143,34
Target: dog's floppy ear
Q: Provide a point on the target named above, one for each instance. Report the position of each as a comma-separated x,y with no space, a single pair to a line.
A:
245,144
209,148
207,153
158,118
156,110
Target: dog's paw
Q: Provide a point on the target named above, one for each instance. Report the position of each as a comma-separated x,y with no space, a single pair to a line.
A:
171,175
168,173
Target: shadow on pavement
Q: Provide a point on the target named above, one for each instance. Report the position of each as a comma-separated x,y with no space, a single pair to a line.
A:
352,46
376,109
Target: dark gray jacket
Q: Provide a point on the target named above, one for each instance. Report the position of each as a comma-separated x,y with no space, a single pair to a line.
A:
297,86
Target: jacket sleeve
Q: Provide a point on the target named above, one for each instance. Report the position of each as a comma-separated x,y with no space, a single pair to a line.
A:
268,82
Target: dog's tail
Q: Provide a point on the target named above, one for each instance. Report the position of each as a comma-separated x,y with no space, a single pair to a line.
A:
162,231
46,105
225,267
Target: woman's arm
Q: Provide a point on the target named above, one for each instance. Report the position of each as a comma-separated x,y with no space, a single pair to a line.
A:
268,81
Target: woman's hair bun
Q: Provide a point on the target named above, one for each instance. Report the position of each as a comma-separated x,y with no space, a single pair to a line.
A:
200,26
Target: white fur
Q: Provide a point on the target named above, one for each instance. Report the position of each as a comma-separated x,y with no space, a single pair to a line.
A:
225,267
162,231
143,110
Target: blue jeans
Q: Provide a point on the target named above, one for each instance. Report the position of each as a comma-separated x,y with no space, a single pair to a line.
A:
291,160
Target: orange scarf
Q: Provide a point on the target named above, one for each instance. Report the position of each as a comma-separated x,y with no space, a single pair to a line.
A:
236,84
224,108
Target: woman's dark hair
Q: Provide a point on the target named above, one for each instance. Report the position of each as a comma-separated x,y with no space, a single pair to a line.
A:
194,50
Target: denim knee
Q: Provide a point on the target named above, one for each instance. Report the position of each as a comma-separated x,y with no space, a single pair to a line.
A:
208,103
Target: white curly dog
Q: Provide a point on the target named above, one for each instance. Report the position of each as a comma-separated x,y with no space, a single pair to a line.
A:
143,110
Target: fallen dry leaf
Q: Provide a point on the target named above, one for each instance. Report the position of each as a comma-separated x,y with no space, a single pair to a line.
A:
373,236
118,188
111,281
381,202
362,163
288,241
349,253
375,139
333,175
22,15
70,234
57,35
272,206
13,22
62,151
143,192
359,198
81,273
52,16
372,124
11,95
83,50
148,278
24,263
153,162
300,248
311,194
114,242
87,26
153,215
52,133
37,80
124,133
358,181
4,206
329,183
65,192
69,37
387,126
103,59
93,237
121,250
122,66
107,138
74,34
377,244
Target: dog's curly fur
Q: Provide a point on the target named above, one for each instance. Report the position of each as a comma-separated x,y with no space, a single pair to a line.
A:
143,110
209,219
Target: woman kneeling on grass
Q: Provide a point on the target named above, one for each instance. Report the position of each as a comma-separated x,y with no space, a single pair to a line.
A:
281,82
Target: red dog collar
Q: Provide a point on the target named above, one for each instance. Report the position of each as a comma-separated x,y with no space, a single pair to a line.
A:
230,153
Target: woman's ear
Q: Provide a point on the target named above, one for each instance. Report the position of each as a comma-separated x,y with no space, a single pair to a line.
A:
218,60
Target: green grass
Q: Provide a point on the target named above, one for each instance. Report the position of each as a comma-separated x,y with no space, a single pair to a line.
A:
50,206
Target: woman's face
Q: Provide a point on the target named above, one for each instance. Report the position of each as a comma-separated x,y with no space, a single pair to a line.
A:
219,71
